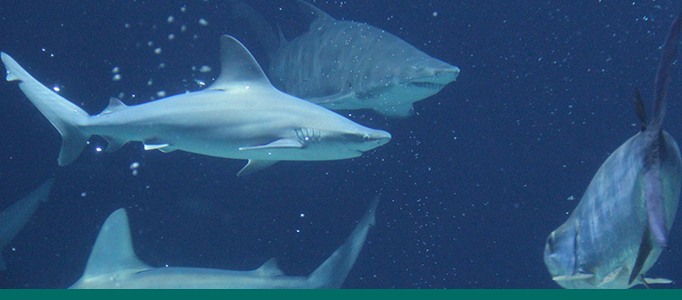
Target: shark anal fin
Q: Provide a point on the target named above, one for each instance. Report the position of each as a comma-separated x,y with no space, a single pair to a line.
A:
254,166
281,143
645,248
114,144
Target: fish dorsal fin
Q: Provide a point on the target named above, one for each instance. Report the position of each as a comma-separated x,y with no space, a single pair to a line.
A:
269,269
113,250
114,105
237,66
318,14
639,108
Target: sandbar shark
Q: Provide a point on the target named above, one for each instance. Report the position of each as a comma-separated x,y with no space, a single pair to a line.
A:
240,115
15,217
621,225
344,65
113,264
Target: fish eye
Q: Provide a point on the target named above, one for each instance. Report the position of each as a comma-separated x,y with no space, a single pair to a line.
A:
365,137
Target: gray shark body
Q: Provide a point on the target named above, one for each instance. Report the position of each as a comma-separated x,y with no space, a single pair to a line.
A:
15,217
351,65
619,228
113,264
241,115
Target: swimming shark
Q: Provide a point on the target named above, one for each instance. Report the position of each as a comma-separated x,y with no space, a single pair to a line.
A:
113,264
240,115
621,225
15,217
346,65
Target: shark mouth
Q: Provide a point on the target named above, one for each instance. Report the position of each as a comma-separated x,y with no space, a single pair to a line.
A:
427,85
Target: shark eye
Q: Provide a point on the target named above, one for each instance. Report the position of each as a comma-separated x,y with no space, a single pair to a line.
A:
365,137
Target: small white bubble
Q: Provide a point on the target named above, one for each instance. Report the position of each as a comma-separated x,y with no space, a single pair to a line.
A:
55,88
205,69
150,82
127,25
162,65
203,22
161,94
150,43
134,172
117,77
183,28
84,194
171,37
171,19
435,14
183,9
114,70
134,165
157,50
302,215
98,149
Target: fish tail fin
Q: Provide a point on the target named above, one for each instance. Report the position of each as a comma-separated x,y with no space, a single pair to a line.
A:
65,116
663,76
333,272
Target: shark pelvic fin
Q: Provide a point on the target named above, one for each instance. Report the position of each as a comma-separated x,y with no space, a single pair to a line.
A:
269,269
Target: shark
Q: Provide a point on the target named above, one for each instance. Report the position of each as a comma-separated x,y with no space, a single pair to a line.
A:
240,116
114,265
347,65
15,217
621,225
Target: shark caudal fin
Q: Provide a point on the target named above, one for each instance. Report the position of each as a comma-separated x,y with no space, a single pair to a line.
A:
333,272
64,115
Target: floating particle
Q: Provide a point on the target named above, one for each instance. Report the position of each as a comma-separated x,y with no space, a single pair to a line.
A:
435,14
171,19
157,50
127,25
161,94
134,165
203,22
134,172
162,65
205,69
183,9
150,44
84,194
117,77
171,36
121,95
150,82
114,70
55,88
183,28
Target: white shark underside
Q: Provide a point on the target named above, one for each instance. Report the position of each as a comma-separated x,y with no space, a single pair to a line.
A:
619,228
113,264
15,217
241,115
351,65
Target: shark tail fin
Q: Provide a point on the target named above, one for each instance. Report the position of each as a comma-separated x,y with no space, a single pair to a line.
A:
333,272
64,115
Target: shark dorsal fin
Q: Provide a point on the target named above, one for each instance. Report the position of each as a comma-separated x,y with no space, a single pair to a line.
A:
318,14
237,65
114,105
113,250
639,108
269,269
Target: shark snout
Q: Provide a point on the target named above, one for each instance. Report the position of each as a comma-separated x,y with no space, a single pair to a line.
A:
374,139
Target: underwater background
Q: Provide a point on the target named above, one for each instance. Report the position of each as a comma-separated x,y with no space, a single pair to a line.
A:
470,186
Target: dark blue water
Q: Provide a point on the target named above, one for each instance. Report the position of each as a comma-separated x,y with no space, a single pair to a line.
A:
471,185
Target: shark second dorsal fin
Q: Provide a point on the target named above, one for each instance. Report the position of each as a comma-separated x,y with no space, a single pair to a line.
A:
113,250
237,65
114,105
269,269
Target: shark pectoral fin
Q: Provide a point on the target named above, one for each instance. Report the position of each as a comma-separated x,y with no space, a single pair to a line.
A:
269,269
645,248
281,143
114,144
330,101
154,146
612,275
657,280
655,204
254,166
